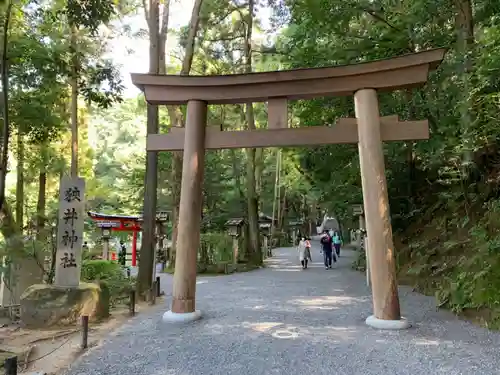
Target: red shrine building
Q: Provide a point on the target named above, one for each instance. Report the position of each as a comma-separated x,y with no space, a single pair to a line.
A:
124,223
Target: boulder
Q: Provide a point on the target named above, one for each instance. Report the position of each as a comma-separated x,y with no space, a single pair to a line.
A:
45,305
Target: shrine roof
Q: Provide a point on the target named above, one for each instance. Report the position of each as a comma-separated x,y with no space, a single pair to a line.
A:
100,216
263,218
160,217
235,221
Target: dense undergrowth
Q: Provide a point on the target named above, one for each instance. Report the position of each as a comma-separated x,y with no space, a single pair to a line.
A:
457,259
112,275
454,258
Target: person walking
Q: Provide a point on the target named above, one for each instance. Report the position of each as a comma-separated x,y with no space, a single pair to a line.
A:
337,242
327,247
308,249
302,249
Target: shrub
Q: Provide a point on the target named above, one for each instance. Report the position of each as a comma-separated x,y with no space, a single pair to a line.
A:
112,274
216,247
280,239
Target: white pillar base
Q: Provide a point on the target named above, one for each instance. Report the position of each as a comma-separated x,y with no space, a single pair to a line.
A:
377,323
171,317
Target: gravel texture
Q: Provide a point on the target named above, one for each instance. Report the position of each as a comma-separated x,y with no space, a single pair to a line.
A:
285,320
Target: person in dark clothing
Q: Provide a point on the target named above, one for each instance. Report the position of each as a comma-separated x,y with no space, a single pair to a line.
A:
122,255
327,247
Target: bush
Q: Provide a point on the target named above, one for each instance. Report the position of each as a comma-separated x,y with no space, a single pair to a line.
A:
280,239
112,274
359,264
215,247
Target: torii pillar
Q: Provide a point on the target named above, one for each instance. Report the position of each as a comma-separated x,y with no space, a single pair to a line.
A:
386,310
188,236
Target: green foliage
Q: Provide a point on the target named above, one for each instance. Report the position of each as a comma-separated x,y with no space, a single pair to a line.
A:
112,274
281,239
93,270
216,248
102,84
457,261
359,264
119,140
475,279
89,13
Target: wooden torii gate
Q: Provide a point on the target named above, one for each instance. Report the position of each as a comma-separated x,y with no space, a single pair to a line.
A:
368,129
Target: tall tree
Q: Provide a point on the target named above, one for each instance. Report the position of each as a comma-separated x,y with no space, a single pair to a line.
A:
88,15
251,181
5,99
145,277
177,119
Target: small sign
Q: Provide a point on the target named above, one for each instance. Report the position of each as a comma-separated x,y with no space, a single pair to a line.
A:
158,268
108,224
162,215
357,209
70,232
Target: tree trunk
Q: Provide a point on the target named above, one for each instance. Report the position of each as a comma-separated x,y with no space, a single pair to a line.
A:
464,25
284,209
237,179
259,169
163,34
465,47
176,196
191,39
10,230
410,156
5,104
20,181
253,210
8,225
275,196
252,197
42,192
145,275
23,271
176,119
39,247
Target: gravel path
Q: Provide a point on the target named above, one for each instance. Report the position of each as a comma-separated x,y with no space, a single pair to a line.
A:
284,320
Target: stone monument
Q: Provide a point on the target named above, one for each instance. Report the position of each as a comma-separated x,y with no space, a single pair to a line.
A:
64,302
70,232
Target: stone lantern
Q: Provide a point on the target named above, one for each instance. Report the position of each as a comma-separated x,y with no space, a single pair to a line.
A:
106,228
294,226
265,230
357,210
234,229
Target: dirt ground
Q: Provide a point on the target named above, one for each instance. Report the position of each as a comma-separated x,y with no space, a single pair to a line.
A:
52,350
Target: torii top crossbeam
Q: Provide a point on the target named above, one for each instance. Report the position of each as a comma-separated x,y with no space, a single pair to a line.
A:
383,75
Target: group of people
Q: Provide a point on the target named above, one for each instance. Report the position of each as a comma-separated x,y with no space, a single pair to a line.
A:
330,248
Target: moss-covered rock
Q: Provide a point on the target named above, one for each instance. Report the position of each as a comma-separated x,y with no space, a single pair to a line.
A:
46,305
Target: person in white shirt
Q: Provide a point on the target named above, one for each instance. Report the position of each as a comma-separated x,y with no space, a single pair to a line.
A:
303,252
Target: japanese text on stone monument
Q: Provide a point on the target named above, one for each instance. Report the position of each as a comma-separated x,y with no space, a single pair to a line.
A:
70,231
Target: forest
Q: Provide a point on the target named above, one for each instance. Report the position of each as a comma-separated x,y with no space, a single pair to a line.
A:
64,109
